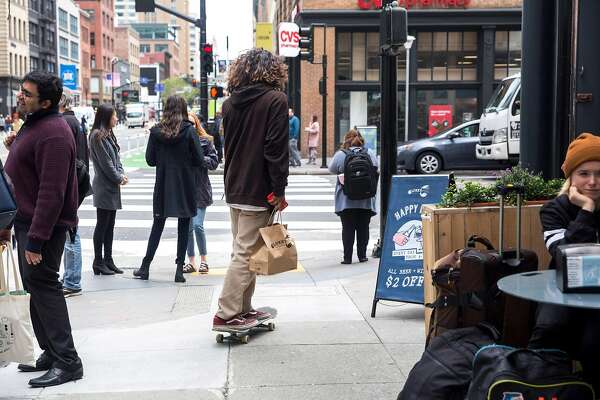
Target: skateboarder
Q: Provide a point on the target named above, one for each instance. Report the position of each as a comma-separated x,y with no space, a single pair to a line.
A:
255,123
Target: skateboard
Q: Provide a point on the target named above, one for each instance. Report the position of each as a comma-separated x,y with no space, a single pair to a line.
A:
243,336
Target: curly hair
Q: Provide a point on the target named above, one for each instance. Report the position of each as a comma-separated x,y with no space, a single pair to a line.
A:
257,66
353,139
174,114
199,129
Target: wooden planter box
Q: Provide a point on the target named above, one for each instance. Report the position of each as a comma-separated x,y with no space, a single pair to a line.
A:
447,229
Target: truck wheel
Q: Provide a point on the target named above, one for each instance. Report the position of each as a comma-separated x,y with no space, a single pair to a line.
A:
429,163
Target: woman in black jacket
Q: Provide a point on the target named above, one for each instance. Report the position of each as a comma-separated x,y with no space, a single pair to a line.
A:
174,149
573,217
204,199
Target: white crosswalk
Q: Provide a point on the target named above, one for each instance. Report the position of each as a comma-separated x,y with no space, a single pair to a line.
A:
310,218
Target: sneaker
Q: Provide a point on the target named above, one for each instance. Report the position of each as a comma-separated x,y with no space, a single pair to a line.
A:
258,315
238,323
67,292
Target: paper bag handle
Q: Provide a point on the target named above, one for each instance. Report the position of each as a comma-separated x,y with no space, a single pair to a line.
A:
276,217
4,285
10,259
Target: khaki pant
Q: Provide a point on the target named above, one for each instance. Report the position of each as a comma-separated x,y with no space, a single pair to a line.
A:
238,287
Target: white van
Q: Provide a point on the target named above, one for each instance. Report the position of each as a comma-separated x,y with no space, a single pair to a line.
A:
500,123
136,115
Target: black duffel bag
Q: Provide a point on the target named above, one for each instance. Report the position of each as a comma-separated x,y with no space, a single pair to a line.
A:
501,372
444,371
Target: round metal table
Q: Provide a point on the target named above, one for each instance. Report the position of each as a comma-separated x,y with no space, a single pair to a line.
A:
541,286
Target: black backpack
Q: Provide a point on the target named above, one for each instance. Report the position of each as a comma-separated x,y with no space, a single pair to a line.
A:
360,175
81,166
444,371
501,372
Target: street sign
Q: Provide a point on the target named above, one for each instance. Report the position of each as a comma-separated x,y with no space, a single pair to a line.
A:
400,276
288,39
144,80
68,74
159,87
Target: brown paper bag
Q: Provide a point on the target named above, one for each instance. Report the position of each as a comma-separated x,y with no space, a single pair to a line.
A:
278,252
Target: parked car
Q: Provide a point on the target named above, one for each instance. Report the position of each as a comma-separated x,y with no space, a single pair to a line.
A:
451,149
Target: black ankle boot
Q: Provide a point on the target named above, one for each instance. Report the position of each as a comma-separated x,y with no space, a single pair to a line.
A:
101,269
110,264
179,274
144,271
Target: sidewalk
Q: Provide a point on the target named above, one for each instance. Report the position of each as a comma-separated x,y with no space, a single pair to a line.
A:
152,340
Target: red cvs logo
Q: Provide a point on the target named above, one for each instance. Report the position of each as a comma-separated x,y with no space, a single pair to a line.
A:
369,4
289,37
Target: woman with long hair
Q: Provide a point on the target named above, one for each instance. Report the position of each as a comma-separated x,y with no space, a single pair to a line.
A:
109,176
174,149
313,139
204,199
354,214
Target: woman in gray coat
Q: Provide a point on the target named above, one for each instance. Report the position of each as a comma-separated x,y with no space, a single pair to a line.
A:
108,177
355,214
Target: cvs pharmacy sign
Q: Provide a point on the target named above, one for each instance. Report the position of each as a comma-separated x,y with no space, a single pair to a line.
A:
374,4
289,39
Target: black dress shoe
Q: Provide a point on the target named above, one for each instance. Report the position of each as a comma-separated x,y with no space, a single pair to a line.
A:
363,259
101,269
43,363
344,261
56,376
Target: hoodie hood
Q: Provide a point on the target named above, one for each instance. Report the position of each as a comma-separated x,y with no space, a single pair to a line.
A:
243,97
185,125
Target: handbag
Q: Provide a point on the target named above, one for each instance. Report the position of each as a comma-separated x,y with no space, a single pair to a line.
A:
278,252
16,330
8,205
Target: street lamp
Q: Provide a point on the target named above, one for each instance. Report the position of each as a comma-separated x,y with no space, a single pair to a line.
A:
113,61
407,45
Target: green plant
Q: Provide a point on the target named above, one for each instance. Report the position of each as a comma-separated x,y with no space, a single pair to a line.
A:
536,188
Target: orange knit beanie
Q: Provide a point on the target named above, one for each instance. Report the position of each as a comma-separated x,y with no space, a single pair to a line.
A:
586,147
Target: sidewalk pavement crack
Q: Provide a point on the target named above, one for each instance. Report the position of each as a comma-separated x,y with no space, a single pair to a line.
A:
226,387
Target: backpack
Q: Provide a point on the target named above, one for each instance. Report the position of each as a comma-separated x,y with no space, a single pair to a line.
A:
81,166
504,372
444,371
360,175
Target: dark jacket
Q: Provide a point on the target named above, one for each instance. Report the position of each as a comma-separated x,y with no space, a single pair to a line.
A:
108,172
215,133
41,165
81,143
566,223
176,160
211,162
255,121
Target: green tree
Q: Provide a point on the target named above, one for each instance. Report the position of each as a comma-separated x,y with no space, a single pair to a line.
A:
180,87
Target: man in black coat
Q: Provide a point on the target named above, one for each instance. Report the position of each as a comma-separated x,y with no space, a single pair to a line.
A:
256,169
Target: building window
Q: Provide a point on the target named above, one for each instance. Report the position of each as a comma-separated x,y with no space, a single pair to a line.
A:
84,35
50,37
64,47
507,59
460,103
34,64
93,62
75,51
447,56
158,48
74,25
51,67
145,48
63,19
92,38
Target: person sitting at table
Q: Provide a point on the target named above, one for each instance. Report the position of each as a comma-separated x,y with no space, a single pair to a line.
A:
573,217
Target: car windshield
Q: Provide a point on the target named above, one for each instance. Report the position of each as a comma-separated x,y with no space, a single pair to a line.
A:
503,94
134,114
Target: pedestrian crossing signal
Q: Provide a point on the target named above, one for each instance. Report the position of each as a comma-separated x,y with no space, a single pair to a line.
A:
216,92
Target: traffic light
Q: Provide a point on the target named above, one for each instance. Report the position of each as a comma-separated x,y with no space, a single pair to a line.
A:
194,83
144,6
206,60
216,92
307,35
393,29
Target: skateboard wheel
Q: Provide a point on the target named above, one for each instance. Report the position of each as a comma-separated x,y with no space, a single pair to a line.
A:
271,326
220,338
244,339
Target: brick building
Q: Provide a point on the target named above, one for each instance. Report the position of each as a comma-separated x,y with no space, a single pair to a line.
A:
102,44
85,24
462,49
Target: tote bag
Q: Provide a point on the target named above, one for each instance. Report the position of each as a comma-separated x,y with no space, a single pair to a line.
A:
16,331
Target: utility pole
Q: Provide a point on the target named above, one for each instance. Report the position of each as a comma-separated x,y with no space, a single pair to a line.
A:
323,90
203,73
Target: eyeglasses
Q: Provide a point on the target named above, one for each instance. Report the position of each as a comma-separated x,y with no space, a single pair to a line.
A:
27,94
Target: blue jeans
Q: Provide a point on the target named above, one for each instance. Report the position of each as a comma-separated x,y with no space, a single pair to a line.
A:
72,261
197,226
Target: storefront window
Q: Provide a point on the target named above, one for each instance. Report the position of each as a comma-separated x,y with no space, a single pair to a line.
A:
507,60
447,56
439,110
357,56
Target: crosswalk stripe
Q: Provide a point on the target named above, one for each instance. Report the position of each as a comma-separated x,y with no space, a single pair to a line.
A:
215,209
220,179
128,190
172,223
222,185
